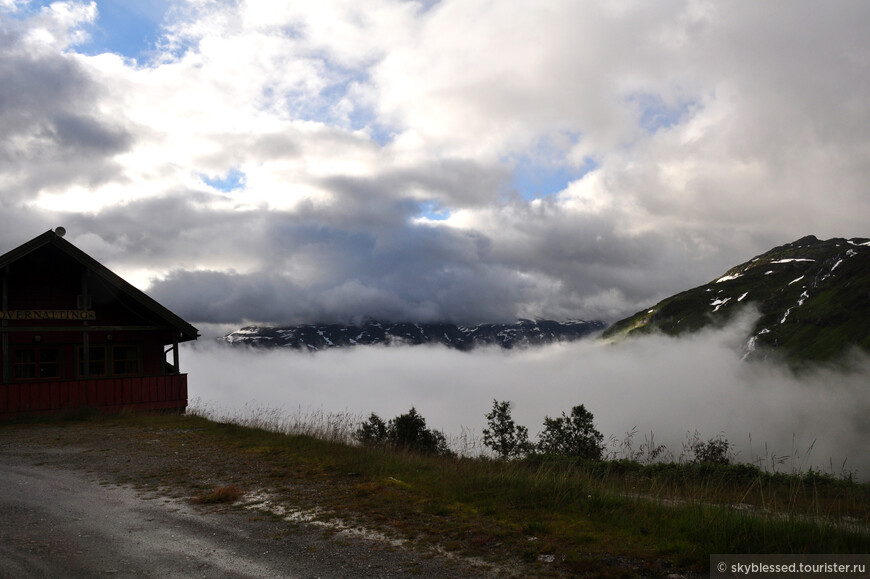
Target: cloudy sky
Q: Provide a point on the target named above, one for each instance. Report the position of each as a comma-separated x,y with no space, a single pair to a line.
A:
463,160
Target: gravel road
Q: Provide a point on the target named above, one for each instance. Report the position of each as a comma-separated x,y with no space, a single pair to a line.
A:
63,514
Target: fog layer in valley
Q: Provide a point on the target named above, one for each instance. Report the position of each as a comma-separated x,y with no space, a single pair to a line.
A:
669,387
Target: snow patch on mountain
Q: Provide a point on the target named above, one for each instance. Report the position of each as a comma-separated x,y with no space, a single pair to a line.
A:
315,337
812,298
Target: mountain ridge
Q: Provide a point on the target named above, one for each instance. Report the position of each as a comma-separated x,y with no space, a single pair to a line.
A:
315,337
812,297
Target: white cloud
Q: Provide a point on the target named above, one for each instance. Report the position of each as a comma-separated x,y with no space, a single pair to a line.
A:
707,133
59,25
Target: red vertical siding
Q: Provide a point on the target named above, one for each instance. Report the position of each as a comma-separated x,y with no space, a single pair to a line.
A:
14,398
112,394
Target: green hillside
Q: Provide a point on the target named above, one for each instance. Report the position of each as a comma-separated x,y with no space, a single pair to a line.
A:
813,298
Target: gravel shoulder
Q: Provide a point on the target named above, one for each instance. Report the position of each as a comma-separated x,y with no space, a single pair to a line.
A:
85,499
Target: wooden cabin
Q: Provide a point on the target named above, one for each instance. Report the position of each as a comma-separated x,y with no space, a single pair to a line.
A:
75,335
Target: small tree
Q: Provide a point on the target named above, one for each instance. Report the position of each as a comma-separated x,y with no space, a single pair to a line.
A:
407,431
573,435
372,431
503,436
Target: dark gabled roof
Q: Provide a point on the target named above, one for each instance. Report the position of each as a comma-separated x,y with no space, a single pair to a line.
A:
186,331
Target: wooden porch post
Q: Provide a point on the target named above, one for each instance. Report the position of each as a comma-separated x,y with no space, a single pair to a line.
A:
86,347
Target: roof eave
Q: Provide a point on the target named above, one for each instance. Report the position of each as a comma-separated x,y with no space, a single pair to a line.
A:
186,331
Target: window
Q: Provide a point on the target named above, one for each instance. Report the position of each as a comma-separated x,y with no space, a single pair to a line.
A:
25,364
49,363
36,363
125,360
96,361
110,361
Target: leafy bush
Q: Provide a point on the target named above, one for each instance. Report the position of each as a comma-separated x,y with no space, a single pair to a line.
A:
407,431
503,436
714,450
573,435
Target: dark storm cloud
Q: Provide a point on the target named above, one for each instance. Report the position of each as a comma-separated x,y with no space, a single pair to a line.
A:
360,256
47,121
309,271
87,135
455,293
152,230
395,195
310,267
212,296
366,256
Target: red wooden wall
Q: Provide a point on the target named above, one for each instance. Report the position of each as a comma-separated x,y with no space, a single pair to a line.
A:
109,395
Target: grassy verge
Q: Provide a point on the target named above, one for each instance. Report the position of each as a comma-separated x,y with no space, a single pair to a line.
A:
582,513
568,516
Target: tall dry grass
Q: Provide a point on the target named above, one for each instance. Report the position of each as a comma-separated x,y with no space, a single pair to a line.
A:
338,427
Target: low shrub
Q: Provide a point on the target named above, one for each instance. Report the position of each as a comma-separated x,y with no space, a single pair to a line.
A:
714,450
407,431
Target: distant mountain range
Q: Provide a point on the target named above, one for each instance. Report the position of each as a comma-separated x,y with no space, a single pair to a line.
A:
813,298
315,337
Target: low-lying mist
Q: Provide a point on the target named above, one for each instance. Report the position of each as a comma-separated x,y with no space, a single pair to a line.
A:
664,386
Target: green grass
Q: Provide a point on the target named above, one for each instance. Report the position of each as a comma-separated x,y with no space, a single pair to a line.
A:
581,511
584,515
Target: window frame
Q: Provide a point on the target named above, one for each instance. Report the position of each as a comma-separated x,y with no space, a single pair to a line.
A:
109,359
80,362
137,359
38,364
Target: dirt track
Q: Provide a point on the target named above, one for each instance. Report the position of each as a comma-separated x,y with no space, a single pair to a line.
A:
64,513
